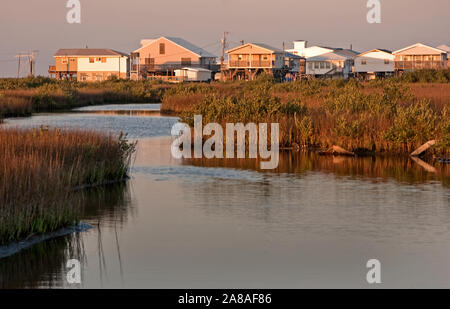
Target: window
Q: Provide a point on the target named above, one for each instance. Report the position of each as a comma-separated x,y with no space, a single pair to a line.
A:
84,77
363,62
239,57
150,62
264,57
316,65
72,59
328,65
64,61
186,61
91,60
104,60
310,65
322,64
386,61
162,48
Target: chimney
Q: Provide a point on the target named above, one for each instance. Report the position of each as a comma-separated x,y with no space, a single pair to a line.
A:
300,46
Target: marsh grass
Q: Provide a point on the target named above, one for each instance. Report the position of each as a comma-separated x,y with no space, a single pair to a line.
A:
21,97
389,116
40,170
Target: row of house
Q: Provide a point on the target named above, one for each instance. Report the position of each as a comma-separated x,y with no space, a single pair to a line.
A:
175,59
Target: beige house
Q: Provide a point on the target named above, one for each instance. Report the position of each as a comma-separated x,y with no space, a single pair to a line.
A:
162,56
86,64
247,61
374,63
419,56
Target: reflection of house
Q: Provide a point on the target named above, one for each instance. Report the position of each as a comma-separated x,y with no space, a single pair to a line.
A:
374,63
162,56
419,56
251,59
88,64
325,61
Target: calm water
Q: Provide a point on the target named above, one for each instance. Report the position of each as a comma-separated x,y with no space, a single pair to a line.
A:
313,222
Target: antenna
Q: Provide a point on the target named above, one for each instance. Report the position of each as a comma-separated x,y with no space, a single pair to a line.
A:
224,42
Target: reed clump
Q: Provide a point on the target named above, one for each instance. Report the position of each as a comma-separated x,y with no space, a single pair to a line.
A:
41,170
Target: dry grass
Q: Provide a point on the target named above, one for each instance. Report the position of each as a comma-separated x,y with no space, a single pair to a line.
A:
40,170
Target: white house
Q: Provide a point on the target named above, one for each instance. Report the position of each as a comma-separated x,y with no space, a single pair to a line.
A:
330,65
374,63
325,61
194,74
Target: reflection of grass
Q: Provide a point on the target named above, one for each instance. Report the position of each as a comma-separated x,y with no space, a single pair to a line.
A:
27,268
376,168
41,168
383,116
104,204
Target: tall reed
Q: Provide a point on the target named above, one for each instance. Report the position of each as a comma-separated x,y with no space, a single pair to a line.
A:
40,169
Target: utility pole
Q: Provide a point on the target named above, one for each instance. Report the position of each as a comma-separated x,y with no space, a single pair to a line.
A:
31,57
222,59
19,56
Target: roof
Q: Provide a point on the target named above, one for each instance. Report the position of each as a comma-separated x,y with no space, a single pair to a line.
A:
444,47
349,53
328,56
376,50
64,52
419,45
262,45
291,55
195,69
181,42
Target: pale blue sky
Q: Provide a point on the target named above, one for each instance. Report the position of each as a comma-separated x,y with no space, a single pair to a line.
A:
120,24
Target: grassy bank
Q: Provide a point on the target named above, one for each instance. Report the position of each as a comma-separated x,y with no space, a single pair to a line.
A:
21,97
382,116
40,170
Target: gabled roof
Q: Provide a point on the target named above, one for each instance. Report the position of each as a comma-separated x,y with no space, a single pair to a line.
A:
65,52
180,42
376,50
419,45
261,45
328,56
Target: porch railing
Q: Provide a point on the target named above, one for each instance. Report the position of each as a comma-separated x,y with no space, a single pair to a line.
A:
418,65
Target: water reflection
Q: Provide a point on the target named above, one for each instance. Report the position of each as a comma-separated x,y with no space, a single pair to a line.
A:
221,223
44,265
401,169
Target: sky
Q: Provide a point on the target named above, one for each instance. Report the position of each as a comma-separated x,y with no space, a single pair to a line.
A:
41,25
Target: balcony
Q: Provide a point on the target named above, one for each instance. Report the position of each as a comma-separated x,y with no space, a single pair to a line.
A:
171,66
250,64
419,65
